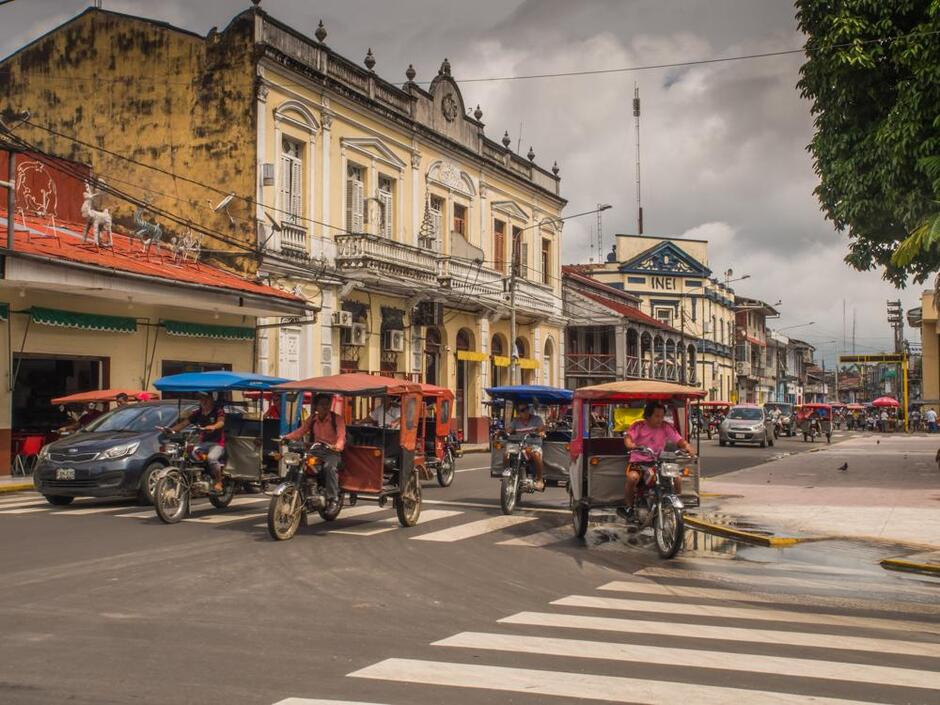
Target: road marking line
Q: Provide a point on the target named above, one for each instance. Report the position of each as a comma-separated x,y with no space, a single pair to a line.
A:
139,515
25,510
755,613
21,505
483,467
576,685
699,631
542,538
474,528
20,501
320,701
226,518
91,510
391,523
481,505
694,658
361,510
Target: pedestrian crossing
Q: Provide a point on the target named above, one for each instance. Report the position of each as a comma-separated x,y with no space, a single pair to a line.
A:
715,646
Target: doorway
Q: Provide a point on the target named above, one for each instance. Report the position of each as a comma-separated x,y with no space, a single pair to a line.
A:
41,378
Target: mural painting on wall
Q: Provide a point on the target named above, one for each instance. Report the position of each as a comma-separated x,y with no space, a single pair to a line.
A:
47,187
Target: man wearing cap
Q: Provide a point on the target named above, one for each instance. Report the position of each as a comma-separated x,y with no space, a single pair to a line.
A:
209,417
527,422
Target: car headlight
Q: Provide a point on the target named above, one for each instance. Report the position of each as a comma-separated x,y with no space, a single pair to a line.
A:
121,451
757,427
43,453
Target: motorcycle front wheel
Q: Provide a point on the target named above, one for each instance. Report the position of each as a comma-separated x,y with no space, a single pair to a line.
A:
445,473
669,529
171,498
509,491
408,502
285,512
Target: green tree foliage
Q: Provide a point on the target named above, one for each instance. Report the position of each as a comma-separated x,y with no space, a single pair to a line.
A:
873,76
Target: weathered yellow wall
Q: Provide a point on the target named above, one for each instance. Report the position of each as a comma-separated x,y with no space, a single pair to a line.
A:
154,94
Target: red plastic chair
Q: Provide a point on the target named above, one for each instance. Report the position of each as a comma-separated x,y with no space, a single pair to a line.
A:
26,455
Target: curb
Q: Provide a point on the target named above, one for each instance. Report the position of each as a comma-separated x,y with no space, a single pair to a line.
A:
11,487
906,566
739,535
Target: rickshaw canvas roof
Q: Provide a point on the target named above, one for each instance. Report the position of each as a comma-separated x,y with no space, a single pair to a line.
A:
98,395
714,403
219,381
814,405
432,390
532,393
632,390
353,384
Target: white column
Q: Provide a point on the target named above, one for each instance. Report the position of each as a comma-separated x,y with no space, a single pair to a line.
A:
275,242
417,207
311,195
372,188
484,325
328,304
260,153
326,233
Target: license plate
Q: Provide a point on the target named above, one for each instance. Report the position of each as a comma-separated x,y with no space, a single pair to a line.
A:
736,435
65,474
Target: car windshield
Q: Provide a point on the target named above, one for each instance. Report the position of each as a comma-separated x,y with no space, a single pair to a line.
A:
135,419
745,413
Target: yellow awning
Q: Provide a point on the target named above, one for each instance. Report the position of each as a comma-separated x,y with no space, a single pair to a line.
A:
527,363
472,356
500,361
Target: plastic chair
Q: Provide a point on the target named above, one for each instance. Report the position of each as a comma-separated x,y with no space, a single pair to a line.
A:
26,455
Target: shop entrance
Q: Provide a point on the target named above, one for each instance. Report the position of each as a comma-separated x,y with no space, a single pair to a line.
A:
41,378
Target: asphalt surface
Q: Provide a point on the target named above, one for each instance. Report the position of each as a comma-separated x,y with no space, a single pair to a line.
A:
465,607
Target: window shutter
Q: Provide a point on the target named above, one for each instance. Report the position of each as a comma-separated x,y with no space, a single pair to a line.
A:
524,261
357,194
388,215
436,223
284,186
296,195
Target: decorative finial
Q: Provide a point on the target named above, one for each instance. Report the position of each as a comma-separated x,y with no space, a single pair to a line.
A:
506,140
478,113
555,169
531,154
370,59
410,73
445,68
320,34
256,2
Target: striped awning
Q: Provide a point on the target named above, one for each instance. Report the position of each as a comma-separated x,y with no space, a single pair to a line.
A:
204,330
85,321
472,356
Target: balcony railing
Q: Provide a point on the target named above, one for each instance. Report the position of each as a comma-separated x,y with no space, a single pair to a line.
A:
293,239
590,364
378,254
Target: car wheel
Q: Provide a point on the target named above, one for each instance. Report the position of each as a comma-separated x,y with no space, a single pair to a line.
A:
148,483
731,443
771,441
763,441
58,500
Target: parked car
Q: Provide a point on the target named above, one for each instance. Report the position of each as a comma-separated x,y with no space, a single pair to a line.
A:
116,455
746,424
787,416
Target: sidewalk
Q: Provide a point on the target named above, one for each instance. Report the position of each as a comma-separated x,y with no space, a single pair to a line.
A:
890,492
15,484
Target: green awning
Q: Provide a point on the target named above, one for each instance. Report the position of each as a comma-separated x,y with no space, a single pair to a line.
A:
4,312
202,330
86,321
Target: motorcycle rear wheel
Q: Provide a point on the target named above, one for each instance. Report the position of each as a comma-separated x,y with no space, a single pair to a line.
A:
171,498
221,501
579,518
446,471
285,512
337,508
669,530
509,491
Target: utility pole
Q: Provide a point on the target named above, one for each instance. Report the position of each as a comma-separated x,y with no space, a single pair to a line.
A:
896,319
11,196
513,357
636,120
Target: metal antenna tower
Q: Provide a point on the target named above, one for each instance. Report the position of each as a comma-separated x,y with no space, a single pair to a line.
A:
636,118
600,234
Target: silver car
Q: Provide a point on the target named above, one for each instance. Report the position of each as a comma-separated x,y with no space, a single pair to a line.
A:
746,424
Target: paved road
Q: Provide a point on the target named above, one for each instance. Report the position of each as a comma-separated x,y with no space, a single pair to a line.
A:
103,604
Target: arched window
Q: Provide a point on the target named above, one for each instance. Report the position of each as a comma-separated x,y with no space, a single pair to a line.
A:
548,363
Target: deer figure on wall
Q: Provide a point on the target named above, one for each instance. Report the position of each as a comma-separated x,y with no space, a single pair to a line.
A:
95,220
150,234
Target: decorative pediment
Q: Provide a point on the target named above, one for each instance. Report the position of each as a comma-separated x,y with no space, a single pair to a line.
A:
298,114
373,149
510,208
450,176
665,258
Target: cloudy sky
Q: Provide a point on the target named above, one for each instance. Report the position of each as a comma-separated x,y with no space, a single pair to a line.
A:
723,145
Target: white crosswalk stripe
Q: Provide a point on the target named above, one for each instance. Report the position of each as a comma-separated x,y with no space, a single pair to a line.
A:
391,523
29,509
474,528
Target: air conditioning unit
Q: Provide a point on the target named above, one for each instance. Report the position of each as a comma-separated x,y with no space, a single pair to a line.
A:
357,334
742,368
395,340
342,319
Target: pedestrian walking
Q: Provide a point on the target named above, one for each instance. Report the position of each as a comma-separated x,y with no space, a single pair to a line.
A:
931,421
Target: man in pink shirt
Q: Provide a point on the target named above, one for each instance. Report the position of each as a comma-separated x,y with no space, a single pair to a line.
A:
654,433
324,426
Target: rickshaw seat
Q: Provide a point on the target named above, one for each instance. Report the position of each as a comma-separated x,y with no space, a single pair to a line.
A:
234,425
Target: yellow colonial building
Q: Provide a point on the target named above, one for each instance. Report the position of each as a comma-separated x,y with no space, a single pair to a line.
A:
675,286
384,205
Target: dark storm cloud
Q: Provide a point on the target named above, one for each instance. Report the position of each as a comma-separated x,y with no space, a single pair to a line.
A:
723,145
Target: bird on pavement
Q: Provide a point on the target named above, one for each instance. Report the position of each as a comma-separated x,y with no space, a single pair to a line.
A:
844,467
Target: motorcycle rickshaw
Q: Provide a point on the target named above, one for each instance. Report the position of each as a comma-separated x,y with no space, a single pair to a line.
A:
437,447
509,460
378,460
75,405
251,449
815,420
598,463
711,413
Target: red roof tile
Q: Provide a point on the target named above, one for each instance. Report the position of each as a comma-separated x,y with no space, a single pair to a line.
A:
634,314
126,255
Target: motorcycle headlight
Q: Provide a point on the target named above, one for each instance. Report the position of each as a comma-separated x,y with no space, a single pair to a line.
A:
669,470
513,448
171,449
121,451
291,458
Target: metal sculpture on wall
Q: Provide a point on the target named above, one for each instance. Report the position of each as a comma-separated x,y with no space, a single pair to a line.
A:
95,220
187,247
150,234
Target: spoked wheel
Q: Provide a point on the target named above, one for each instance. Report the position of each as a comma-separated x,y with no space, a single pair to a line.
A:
669,528
171,498
509,491
330,513
223,499
408,503
285,513
445,473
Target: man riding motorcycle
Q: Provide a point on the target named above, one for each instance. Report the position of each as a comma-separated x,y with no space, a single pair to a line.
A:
654,433
527,422
209,417
328,428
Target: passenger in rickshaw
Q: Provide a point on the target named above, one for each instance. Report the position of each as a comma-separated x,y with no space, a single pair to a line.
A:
121,400
209,417
329,428
654,433
389,416
527,422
